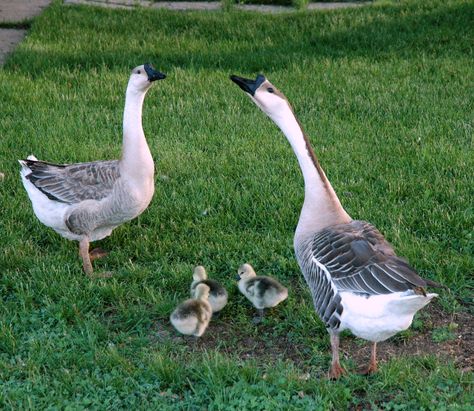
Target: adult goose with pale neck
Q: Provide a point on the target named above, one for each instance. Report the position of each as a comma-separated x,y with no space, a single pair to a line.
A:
356,280
86,201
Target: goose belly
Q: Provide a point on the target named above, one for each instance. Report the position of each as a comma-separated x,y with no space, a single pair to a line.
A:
100,218
125,203
376,318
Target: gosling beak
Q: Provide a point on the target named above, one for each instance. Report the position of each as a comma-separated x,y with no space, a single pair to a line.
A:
152,73
237,277
249,86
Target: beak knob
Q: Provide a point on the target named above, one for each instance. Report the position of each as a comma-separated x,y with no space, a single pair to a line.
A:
248,85
153,74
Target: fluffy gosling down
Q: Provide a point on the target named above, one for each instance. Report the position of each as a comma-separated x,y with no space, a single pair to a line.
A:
262,291
217,293
192,316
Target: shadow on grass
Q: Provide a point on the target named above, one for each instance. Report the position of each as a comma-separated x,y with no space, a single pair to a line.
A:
240,42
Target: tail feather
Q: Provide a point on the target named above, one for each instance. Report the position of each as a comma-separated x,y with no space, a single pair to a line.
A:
410,304
25,169
434,284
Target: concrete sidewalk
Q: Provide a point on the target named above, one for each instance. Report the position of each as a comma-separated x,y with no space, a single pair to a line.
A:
14,12
208,5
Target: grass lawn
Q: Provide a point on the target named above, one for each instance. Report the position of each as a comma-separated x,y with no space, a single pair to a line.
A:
385,94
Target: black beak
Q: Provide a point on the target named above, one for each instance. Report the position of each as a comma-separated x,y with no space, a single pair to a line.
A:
237,277
249,86
152,73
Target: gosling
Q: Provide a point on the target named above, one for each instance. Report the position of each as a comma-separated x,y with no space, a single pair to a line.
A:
192,316
262,291
217,293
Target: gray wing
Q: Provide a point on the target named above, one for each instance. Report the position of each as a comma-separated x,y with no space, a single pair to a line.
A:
73,183
326,299
359,259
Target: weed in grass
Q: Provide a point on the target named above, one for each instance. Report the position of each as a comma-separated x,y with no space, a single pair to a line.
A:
446,333
300,4
227,5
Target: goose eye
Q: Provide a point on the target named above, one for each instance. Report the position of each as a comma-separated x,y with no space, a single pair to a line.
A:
270,90
138,72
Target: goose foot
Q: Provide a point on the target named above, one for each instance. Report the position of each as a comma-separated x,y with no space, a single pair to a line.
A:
336,371
88,257
105,274
97,253
372,368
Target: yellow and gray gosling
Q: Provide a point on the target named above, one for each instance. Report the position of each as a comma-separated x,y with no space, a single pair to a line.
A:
192,316
262,291
217,293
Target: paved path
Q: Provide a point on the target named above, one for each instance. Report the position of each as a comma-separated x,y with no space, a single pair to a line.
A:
16,12
211,5
9,38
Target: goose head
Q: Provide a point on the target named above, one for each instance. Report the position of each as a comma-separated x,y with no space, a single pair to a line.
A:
142,77
245,271
202,292
265,95
199,273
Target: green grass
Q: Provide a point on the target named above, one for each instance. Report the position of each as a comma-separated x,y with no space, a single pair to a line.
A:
384,92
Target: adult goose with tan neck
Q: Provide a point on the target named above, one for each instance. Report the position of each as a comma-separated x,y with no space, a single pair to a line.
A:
356,280
86,201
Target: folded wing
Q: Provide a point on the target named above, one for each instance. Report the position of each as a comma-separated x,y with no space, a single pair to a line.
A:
73,183
359,259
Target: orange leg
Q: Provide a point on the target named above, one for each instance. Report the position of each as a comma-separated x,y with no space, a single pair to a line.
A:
372,368
87,259
336,370
84,253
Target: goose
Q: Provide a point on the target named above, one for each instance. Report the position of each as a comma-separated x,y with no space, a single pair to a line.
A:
86,201
262,291
356,280
217,293
192,316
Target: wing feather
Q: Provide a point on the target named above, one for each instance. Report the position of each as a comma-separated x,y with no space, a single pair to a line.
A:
359,259
73,183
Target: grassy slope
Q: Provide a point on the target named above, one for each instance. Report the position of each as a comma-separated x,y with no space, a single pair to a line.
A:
385,94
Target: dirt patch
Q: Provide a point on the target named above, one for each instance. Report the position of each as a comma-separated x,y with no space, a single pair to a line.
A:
456,331
448,336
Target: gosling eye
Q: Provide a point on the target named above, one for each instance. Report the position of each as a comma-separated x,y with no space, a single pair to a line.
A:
139,72
270,90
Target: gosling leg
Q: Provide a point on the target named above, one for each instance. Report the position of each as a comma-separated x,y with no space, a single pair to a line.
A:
259,318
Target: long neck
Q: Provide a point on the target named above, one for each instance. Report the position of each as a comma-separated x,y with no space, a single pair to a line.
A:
321,207
136,157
